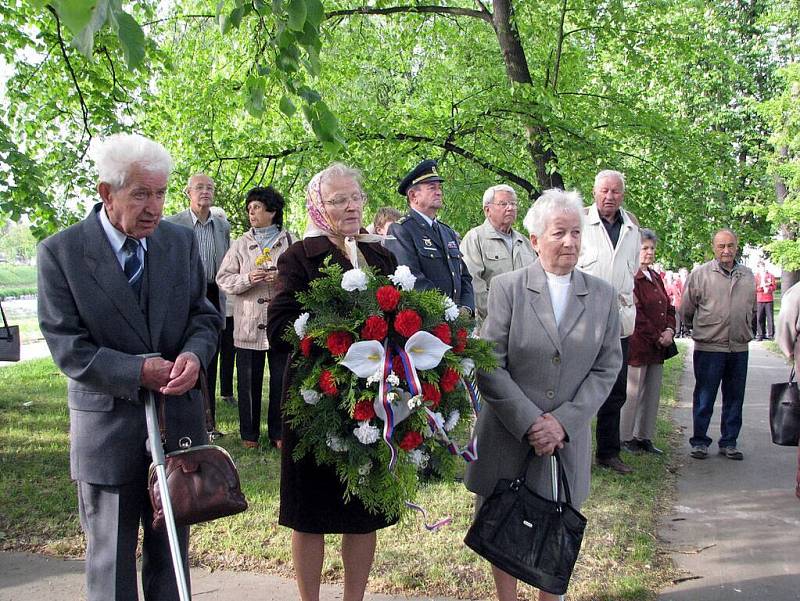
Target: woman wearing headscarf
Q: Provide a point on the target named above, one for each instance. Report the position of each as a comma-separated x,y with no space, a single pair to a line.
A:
556,336
248,276
312,496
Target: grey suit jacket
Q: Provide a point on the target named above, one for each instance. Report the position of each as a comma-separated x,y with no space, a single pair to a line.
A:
566,371
222,238
95,328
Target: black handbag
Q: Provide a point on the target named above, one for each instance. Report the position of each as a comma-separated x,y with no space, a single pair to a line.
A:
671,351
9,340
784,412
534,539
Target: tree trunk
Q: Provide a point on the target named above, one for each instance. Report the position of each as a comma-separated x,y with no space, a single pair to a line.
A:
539,140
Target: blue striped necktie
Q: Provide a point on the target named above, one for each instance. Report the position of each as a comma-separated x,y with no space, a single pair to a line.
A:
134,268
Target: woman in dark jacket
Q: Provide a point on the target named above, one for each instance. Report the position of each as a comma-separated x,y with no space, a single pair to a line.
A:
652,335
312,497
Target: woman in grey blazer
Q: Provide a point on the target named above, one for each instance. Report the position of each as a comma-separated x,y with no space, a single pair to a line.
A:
556,334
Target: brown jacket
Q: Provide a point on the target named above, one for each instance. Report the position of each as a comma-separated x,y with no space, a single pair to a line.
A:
720,307
654,314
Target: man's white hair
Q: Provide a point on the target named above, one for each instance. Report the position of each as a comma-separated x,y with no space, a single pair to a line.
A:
608,173
488,196
117,154
550,203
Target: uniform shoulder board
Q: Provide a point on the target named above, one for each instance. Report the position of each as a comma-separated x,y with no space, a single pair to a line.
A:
402,220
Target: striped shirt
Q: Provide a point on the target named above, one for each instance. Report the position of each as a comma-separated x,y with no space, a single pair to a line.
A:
204,232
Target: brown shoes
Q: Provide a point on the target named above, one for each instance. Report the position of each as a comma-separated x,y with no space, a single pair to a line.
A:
250,444
616,464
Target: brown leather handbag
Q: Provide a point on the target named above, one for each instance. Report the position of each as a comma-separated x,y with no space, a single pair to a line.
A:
203,481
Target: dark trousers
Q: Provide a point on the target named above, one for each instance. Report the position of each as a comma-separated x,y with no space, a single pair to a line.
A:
110,517
212,294
250,371
766,328
608,416
710,370
227,354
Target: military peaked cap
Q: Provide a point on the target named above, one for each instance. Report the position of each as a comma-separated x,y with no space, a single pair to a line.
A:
424,172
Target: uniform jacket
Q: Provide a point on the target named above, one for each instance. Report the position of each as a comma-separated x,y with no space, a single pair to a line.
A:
222,237
250,303
720,308
95,327
486,255
654,314
567,371
616,265
437,264
762,295
301,264
786,331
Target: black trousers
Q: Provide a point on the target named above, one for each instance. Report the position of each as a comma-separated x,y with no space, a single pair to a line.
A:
250,383
766,327
608,416
227,354
212,294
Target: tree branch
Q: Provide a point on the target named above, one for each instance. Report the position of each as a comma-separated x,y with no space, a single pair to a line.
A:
484,14
176,18
559,45
84,108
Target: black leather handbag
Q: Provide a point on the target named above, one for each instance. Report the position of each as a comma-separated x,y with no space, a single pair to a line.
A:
9,340
784,412
534,539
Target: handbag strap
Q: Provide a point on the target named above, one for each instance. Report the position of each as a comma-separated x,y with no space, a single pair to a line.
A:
561,480
202,381
791,375
5,323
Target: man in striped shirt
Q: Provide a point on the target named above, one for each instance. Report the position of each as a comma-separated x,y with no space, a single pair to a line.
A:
213,233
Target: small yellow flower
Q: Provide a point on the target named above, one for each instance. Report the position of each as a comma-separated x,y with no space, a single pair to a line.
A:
264,258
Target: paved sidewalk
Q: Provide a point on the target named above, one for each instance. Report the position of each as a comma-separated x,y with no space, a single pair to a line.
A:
736,524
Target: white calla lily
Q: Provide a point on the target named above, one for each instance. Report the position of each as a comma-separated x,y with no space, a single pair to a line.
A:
364,358
425,350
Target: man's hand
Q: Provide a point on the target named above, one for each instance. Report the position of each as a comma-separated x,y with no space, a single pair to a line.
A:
155,373
183,375
546,435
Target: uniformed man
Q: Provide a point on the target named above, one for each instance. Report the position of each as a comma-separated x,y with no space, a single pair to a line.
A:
428,247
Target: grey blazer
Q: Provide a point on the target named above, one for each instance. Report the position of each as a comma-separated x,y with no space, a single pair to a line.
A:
95,326
566,371
222,238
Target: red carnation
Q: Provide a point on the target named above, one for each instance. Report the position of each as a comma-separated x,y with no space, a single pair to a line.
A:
375,328
461,341
407,323
305,346
397,367
363,411
430,392
442,332
411,441
327,384
449,379
339,342
388,297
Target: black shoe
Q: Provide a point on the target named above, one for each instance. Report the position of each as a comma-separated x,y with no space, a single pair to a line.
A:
648,447
759,338
216,434
616,464
632,446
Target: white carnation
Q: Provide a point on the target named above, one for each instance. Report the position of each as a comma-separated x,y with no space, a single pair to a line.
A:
310,396
354,279
467,366
418,458
336,444
452,420
450,309
366,433
300,325
403,277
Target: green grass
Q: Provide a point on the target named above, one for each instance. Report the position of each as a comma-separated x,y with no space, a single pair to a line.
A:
620,558
17,280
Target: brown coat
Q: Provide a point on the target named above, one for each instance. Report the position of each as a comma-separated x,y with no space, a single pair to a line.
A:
654,314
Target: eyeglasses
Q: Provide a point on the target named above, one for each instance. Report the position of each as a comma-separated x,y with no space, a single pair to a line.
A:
203,187
342,201
504,204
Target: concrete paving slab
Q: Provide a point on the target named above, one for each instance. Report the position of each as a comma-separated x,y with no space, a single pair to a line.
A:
735,527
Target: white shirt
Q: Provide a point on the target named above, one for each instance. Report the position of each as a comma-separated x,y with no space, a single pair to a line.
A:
117,239
558,285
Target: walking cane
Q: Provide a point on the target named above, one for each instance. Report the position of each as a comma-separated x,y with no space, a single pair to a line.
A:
157,453
554,482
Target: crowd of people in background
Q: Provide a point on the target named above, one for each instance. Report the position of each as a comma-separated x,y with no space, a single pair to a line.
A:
578,295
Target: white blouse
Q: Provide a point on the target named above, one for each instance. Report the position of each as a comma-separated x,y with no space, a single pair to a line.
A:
559,289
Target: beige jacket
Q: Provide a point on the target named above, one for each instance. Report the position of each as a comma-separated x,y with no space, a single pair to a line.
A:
615,265
789,324
249,302
486,255
720,307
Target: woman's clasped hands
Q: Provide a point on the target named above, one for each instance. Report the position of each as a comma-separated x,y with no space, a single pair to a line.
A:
546,435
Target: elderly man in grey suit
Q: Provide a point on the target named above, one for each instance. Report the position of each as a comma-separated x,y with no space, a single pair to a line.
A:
115,286
213,233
